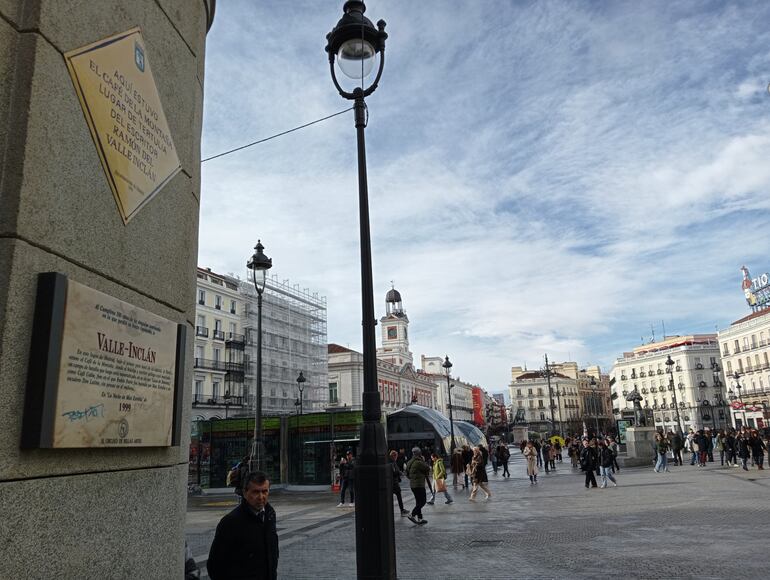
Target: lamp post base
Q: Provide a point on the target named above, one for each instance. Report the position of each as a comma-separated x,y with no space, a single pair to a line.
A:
375,534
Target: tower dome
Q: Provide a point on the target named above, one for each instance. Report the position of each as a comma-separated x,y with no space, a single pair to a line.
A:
393,295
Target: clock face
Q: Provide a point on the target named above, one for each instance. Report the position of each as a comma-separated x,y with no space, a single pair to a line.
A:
392,333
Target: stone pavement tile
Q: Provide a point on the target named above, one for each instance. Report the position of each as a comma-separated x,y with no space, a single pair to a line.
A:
689,523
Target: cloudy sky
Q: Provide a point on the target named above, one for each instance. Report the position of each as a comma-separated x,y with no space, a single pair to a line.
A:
545,177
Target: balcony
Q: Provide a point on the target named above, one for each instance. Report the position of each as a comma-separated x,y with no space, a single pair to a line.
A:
699,366
678,368
235,338
702,385
623,377
201,331
223,401
214,365
642,374
660,371
219,335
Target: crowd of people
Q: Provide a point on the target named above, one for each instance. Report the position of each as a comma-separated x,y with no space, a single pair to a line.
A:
743,448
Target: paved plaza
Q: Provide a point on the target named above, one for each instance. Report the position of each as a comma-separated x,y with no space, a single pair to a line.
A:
690,523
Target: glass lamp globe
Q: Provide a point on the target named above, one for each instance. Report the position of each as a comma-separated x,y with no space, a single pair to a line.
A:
356,58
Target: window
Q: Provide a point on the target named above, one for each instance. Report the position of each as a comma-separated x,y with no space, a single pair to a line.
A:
233,328
198,392
540,404
217,325
745,343
539,392
198,352
729,367
333,392
518,391
529,392
531,404
232,306
215,390
217,302
202,297
542,416
217,354
753,341
725,350
737,346
201,320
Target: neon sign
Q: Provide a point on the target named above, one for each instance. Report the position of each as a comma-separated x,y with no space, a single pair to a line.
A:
756,290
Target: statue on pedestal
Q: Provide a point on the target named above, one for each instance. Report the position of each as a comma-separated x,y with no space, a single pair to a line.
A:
636,398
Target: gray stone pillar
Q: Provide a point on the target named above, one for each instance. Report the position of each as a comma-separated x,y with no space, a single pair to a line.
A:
100,512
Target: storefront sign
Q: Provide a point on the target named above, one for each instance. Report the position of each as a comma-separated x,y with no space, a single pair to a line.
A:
622,425
120,101
102,372
478,406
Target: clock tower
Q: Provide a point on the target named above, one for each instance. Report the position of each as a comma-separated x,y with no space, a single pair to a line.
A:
395,333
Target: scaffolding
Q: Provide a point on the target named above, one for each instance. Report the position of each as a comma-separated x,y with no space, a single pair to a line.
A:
293,340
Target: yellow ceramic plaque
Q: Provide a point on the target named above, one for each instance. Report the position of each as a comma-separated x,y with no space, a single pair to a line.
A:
120,101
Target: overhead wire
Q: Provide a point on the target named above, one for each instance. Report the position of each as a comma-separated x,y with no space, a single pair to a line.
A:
274,136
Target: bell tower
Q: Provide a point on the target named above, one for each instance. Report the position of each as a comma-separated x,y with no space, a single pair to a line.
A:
395,331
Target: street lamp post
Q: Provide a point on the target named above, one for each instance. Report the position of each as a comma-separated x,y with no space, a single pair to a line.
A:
448,365
595,405
715,369
259,265
550,392
558,410
300,387
738,386
355,43
227,396
670,371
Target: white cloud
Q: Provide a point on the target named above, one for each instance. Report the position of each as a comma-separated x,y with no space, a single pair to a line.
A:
551,178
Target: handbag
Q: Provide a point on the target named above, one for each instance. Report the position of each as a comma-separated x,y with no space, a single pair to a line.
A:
440,485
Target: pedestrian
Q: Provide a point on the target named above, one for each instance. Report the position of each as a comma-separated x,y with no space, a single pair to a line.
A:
574,454
484,454
557,448
744,449
692,446
730,453
588,462
530,454
757,449
677,443
552,456
493,459
237,475
457,466
397,481
503,455
439,476
347,478
614,448
536,443
720,447
661,450
479,474
545,452
401,459
703,442
417,472
246,541
467,458
427,479
709,445
605,464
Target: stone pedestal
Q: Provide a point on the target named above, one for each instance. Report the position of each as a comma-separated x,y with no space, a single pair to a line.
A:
519,434
99,512
639,446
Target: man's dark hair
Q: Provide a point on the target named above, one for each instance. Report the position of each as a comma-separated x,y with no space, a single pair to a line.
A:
258,477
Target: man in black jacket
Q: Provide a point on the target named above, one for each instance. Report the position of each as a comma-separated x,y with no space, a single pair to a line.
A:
246,541
589,462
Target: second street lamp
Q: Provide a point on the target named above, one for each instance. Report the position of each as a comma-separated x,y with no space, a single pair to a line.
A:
447,366
355,43
259,265
300,388
670,371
